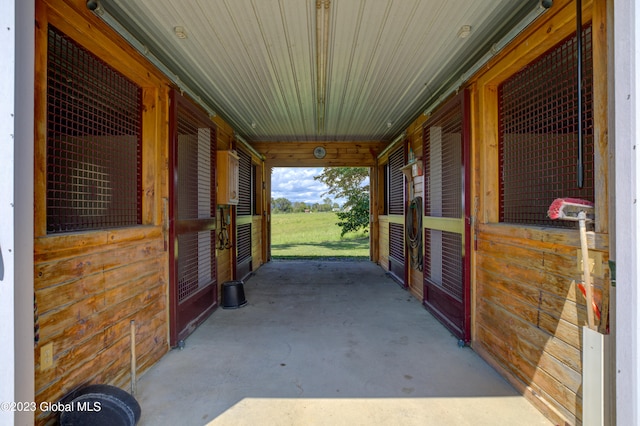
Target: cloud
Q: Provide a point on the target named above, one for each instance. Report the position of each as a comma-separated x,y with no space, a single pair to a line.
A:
297,184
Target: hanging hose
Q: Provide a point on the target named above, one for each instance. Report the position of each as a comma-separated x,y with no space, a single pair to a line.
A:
414,233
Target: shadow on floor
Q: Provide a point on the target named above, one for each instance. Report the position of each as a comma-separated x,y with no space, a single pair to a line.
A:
326,342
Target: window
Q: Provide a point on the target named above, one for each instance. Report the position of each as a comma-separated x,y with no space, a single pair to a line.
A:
94,152
538,134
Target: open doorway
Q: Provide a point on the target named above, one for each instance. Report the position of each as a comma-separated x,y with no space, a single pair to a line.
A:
320,213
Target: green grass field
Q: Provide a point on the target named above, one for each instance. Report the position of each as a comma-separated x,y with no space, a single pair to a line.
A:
314,235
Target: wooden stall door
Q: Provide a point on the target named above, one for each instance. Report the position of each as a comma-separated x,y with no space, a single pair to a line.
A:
446,218
192,221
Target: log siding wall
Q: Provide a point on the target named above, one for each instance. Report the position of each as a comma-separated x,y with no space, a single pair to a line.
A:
527,311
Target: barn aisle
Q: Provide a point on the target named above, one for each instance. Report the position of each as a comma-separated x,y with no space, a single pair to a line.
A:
327,343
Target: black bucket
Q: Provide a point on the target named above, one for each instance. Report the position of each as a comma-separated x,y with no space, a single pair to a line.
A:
99,405
233,295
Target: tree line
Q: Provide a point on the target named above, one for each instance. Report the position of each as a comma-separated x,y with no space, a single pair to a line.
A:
283,205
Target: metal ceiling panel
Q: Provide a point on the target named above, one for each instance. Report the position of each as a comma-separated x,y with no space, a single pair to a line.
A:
254,62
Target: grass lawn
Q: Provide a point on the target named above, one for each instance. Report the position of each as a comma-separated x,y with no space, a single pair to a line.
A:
314,235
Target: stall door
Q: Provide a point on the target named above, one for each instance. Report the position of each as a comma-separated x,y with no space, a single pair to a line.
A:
244,213
192,221
446,228
397,266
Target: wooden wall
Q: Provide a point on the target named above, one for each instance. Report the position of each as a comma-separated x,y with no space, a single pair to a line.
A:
224,257
383,242
89,286
300,154
413,140
527,311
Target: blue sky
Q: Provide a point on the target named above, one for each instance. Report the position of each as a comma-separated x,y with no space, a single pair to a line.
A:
297,184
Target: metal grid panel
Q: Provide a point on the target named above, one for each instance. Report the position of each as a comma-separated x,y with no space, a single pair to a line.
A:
94,149
196,156
538,135
443,265
443,163
244,242
396,241
245,184
196,263
396,182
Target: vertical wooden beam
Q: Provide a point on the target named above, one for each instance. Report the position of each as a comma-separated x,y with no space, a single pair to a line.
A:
374,231
40,120
490,163
600,119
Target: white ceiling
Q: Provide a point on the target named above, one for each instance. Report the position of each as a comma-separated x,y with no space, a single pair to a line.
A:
253,62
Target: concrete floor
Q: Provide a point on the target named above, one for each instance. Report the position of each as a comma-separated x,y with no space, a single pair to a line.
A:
326,343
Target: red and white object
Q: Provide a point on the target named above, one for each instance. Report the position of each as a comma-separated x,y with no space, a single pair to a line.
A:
581,211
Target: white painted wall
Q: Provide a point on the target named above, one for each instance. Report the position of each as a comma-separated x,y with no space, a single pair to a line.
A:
16,208
625,136
7,246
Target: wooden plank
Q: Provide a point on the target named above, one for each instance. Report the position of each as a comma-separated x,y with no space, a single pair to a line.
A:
300,154
151,164
534,305
494,352
40,120
75,20
86,373
600,58
550,239
72,245
537,399
394,218
535,338
56,272
544,265
534,373
488,151
536,39
447,224
146,320
80,320
256,241
58,296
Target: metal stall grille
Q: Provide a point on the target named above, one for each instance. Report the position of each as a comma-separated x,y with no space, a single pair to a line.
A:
396,250
195,186
245,212
444,195
538,134
94,143
396,182
445,163
396,207
245,185
244,250
450,267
